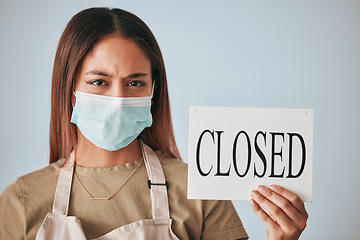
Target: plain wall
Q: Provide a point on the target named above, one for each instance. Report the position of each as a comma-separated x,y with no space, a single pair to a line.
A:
286,54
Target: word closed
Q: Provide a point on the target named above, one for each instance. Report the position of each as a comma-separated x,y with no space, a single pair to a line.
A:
252,145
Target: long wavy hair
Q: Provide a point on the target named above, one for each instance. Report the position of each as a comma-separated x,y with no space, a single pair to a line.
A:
83,31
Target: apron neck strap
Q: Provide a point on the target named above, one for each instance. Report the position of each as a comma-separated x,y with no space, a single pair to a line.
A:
63,188
157,183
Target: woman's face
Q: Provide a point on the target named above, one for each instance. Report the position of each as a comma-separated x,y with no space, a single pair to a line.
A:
115,67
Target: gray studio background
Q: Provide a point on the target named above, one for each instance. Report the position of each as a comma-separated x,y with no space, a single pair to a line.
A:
287,54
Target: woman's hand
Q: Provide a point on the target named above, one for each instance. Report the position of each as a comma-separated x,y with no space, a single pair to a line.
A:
282,211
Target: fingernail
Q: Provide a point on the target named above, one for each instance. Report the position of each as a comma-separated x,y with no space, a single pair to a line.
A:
262,189
255,194
274,188
252,204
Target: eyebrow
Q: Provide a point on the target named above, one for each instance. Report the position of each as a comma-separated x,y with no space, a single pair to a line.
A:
135,75
104,74
98,72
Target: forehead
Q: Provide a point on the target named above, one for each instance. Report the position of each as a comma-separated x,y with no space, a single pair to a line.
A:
116,54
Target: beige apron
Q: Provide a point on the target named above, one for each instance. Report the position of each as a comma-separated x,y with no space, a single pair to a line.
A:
59,226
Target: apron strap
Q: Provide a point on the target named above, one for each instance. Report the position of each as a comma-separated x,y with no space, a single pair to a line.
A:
63,188
157,183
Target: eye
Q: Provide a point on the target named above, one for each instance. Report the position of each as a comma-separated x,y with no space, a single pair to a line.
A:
137,83
98,82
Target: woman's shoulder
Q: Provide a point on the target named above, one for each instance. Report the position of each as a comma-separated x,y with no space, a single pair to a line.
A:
41,181
28,200
43,175
173,167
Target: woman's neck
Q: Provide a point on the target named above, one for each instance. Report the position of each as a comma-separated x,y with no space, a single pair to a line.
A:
91,156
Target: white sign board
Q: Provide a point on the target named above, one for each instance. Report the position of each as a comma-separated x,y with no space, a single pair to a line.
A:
233,150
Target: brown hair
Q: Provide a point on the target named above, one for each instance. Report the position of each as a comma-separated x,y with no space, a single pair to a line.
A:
82,32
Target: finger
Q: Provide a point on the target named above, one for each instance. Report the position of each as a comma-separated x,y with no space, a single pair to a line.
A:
294,199
282,219
262,215
281,202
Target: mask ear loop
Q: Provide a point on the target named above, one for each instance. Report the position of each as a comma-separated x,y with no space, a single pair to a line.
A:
73,105
152,89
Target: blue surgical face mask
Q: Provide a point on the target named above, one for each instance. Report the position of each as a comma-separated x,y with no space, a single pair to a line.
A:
111,123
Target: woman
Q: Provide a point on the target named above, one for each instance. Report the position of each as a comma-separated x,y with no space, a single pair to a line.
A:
109,113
